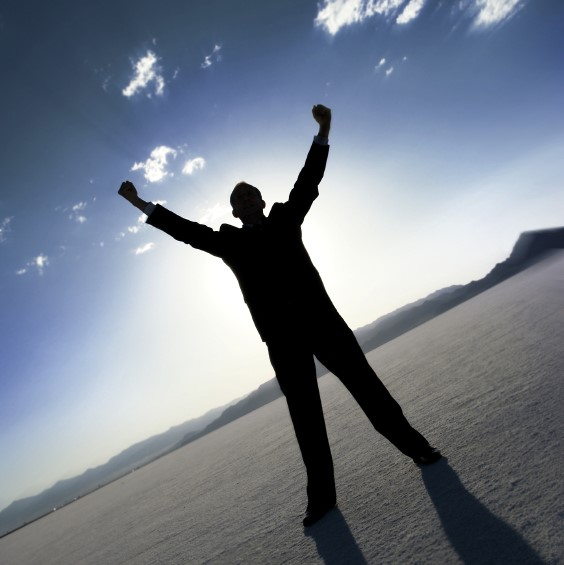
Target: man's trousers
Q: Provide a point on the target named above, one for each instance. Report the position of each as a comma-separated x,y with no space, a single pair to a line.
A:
329,339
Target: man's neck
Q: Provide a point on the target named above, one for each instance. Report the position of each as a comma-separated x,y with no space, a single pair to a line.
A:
253,219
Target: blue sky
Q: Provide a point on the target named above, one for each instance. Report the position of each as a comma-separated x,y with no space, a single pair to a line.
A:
447,142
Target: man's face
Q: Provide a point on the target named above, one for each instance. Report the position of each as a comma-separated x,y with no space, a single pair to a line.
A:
247,202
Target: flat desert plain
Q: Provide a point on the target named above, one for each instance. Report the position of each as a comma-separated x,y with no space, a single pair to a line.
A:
484,382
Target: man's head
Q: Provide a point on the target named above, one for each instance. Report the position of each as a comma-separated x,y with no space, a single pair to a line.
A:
247,203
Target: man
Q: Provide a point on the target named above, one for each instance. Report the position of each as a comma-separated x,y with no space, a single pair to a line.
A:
295,316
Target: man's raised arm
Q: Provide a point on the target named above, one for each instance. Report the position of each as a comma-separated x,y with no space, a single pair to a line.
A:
305,189
195,234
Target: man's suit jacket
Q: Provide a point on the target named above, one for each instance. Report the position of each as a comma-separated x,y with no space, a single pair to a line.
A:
279,283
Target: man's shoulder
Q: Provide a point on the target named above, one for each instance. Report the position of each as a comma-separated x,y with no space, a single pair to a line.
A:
277,208
228,229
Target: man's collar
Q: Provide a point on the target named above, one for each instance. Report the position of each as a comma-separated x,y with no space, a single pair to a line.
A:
256,225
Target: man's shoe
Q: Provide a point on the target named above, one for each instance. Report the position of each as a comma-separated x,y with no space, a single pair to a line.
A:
315,512
432,455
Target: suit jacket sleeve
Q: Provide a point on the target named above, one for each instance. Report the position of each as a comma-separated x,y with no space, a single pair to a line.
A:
305,189
195,234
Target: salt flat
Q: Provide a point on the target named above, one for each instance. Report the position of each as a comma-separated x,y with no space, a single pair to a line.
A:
482,381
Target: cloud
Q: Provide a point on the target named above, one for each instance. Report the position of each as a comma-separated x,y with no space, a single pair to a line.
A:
147,71
193,165
492,12
40,263
140,223
216,211
411,11
333,15
76,212
213,57
381,64
336,14
154,166
144,248
4,229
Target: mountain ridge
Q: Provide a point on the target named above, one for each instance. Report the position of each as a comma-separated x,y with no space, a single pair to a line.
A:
25,510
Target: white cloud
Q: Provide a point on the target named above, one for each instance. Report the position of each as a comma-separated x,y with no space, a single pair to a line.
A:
212,58
193,165
4,228
390,68
492,12
333,15
154,166
216,211
40,263
147,71
144,248
336,14
410,12
76,210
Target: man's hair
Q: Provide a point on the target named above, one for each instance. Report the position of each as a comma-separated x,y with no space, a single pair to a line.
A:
240,185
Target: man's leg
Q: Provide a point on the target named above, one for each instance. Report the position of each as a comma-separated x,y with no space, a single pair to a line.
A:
295,371
337,348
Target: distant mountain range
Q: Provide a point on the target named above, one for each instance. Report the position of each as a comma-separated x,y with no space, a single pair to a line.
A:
27,510
530,247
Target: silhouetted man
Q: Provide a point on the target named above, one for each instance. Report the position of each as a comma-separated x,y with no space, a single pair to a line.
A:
295,316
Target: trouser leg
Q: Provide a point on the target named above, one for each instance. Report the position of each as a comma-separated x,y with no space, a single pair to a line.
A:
338,349
296,374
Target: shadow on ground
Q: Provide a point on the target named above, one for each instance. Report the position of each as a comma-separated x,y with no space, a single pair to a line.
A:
477,535
334,540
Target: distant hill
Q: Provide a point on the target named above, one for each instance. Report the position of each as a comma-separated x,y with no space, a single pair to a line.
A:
29,509
265,393
530,247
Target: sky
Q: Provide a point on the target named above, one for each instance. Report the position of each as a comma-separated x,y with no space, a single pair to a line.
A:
446,144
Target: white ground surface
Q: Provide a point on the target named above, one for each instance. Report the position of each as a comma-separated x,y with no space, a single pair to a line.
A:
484,382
